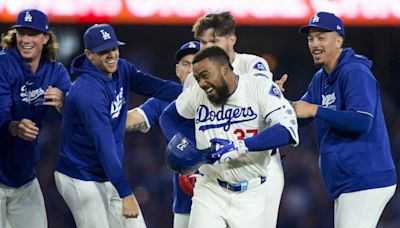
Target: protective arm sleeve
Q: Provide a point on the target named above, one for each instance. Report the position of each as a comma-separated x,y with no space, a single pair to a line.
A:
153,109
171,123
270,138
349,121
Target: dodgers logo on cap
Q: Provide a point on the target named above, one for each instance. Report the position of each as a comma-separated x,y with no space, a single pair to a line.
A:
191,47
33,19
100,37
325,21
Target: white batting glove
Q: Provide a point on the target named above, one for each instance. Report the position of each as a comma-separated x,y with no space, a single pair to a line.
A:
224,150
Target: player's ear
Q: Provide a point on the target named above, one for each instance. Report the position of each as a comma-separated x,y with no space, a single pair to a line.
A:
232,40
88,54
339,42
46,38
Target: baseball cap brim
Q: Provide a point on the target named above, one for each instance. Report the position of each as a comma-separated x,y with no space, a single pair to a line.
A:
30,27
182,52
107,46
306,28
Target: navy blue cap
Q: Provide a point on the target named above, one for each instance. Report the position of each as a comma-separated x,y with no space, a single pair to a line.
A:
34,19
191,47
100,37
326,21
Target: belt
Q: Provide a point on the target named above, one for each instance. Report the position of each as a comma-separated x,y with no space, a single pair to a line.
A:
242,185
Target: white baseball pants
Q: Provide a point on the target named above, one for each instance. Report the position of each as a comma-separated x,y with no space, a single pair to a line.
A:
22,207
94,204
181,220
214,206
362,209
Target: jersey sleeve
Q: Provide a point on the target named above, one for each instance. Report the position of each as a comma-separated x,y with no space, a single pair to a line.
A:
186,102
277,110
94,112
259,67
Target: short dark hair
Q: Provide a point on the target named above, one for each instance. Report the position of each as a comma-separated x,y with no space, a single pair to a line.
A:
223,24
215,54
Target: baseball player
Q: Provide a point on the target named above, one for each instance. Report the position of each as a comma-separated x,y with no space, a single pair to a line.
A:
89,174
30,81
218,29
147,116
343,99
245,118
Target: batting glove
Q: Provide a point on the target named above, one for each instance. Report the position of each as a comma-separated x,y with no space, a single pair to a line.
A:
224,150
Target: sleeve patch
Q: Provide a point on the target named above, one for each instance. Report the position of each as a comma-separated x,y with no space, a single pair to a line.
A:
274,91
259,66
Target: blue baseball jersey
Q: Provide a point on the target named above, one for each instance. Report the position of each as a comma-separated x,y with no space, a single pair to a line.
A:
351,161
22,96
153,108
94,120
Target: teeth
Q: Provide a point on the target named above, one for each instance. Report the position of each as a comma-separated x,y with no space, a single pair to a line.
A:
110,61
27,48
317,52
209,90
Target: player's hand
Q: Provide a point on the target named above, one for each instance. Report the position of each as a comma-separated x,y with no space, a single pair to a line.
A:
54,97
25,129
223,150
281,82
304,109
130,207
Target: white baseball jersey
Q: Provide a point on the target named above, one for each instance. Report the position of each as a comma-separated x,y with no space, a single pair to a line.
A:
243,64
256,104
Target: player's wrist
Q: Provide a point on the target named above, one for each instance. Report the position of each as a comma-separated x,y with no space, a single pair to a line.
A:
241,147
12,128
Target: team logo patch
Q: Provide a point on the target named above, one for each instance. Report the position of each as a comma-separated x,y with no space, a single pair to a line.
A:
328,100
35,96
274,91
259,66
116,105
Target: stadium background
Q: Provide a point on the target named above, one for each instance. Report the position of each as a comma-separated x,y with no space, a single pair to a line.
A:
151,47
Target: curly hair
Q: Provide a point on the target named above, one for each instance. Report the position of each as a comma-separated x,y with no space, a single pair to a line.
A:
49,52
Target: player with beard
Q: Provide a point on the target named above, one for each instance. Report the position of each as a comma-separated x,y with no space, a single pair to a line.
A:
245,118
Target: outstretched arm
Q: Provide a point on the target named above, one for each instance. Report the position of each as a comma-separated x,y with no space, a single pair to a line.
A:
135,121
349,121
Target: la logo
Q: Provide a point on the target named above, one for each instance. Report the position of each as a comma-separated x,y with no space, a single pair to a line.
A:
192,45
28,17
182,145
315,19
105,35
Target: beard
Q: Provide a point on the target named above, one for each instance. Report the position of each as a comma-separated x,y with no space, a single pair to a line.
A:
222,95
318,65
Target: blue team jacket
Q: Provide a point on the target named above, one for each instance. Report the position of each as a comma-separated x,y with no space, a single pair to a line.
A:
21,96
351,161
94,120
